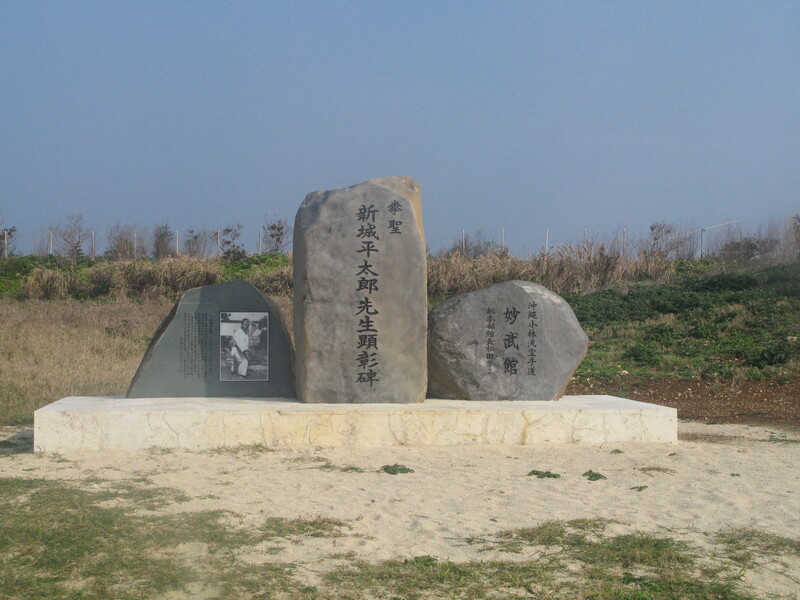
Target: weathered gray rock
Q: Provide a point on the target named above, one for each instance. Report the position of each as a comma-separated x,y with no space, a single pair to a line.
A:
510,341
360,299
225,340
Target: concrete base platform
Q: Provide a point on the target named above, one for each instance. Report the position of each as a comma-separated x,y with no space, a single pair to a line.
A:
111,423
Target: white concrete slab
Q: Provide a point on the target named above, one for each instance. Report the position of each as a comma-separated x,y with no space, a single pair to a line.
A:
114,423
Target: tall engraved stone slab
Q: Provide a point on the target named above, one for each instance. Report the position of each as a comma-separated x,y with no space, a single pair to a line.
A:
510,341
360,299
225,340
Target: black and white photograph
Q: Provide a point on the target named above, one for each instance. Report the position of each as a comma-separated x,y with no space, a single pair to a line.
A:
244,346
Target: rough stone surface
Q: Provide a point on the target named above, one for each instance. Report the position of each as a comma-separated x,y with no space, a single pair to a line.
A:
360,299
191,353
200,423
511,341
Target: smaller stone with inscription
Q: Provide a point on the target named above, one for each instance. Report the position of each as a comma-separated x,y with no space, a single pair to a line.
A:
511,341
219,341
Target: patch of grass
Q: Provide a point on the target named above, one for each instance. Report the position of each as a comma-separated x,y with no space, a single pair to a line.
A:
82,358
329,466
639,488
624,567
57,541
593,475
549,533
636,549
241,449
412,579
318,527
744,545
351,469
781,438
665,470
141,494
57,544
423,561
395,469
544,474
616,451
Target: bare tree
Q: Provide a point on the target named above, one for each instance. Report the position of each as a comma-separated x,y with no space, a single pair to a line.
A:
71,236
163,241
473,245
660,231
196,242
125,242
42,245
742,248
276,235
231,249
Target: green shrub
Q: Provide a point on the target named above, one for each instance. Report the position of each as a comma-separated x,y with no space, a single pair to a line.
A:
776,352
261,263
395,469
725,282
782,274
645,353
660,333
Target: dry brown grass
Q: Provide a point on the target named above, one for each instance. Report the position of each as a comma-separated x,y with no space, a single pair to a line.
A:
169,276
52,349
125,278
44,284
273,282
567,269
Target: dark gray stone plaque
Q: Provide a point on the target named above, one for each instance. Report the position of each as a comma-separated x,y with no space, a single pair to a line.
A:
223,341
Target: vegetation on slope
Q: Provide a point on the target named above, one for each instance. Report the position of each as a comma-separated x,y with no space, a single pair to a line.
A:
696,321
712,327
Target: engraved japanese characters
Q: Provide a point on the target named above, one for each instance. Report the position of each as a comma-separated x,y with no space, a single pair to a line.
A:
360,297
510,341
225,340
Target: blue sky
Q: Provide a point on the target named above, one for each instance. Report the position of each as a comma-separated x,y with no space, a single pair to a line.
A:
518,116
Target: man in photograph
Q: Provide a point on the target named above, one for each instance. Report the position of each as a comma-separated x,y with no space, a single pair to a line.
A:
240,348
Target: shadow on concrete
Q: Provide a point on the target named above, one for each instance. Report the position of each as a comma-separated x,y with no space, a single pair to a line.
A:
16,440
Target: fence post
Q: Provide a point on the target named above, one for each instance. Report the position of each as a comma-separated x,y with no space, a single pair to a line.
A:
702,231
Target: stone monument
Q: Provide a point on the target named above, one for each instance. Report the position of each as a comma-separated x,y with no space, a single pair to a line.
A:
510,341
226,340
360,294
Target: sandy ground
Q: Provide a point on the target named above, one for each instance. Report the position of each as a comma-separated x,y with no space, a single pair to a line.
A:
717,477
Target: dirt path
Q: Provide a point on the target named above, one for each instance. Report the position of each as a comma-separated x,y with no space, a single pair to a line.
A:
755,402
